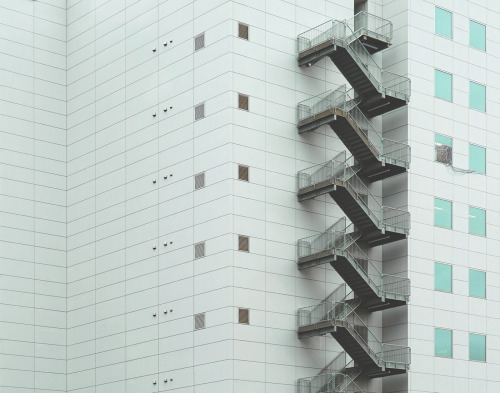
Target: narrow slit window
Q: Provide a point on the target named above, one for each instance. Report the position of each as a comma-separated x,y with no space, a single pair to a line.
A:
199,321
199,41
244,316
243,31
199,181
443,24
443,85
243,102
243,172
477,35
443,213
443,277
477,347
477,221
243,243
443,343
199,250
477,158
199,111
477,283
477,96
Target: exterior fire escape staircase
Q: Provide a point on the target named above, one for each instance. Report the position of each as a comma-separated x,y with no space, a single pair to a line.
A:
350,44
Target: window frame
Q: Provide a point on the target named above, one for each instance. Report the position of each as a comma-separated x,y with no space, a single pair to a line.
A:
482,147
474,296
435,21
451,213
451,277
485,357
469,216
485,35
451,344
435,85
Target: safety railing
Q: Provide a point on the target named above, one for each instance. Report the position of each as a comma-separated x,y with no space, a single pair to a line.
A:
345,313
375,26
317,243
395,218
345,101
327,383
346,33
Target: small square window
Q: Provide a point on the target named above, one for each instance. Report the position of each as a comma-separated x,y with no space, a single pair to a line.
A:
443,85
443,277
244,316
443,149
243,243
199,321
477,347
443,213
477,221
477,283
199,41
199,250
243,102
243,172
199,111
243,31
477,35
477,159
443,343
477,96
443,24
199,181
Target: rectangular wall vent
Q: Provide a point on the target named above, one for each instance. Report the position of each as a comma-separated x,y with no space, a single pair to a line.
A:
243,31
243,243
243,172
199,41
199,321
244,316
243,101
199,181
199,250
199,111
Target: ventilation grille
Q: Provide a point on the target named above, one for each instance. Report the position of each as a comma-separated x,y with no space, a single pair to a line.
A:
444,154
243,172
243,31
199,42
199,321
244,316
199,111
243,101
199,250
199,181
243,243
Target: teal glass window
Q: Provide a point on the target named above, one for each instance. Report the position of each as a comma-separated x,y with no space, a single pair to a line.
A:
477,158
477,221
443,342
477,347
477,35
443,85
477,96
442,213
477,283
443,23
443,148
442,277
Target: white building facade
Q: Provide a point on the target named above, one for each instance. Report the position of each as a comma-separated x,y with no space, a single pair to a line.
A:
233,196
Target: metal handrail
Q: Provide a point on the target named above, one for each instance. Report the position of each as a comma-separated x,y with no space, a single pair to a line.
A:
326,383
345,101
364,22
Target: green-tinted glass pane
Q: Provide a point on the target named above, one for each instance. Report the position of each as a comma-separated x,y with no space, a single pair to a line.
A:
443,85
443,23
444,140
442,277
477,221
442,213
443,343
477,283
477,158
477,347
477,96
477,35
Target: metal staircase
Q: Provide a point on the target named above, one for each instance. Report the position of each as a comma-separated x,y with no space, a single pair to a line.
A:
337,246
338,177
341,321
347,43
380,157
350,45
